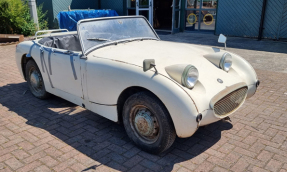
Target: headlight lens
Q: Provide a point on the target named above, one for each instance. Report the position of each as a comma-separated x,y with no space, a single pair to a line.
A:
189,76
226,62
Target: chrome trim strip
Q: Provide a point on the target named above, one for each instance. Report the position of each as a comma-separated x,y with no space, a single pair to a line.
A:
49,61
50,31
73,67
42,58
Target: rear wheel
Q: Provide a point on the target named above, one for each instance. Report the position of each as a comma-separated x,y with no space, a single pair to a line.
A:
35,80
148,123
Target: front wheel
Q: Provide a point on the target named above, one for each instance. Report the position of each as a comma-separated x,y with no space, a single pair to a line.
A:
148,123
35,80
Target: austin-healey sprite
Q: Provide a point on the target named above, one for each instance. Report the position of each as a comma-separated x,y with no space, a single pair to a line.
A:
119,68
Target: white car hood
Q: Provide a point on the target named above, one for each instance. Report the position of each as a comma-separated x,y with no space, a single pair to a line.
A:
165,54
170,53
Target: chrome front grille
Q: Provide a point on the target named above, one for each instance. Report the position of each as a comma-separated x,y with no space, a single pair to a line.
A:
230,102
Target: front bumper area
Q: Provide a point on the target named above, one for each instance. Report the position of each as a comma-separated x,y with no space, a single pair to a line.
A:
225,103
229,100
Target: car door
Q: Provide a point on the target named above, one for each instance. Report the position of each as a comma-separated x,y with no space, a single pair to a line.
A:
63,68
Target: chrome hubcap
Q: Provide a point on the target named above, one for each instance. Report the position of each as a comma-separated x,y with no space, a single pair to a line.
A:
35,80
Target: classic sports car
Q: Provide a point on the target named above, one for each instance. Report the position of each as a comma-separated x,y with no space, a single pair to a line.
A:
119,68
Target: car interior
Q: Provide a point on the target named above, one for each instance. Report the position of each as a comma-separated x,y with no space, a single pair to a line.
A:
66,42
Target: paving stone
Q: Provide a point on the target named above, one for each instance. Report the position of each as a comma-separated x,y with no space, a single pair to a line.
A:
137,168
258,169
240,165
20,154
133,161
219,169
30,167
205,166
49,161
274,165
42,168
13,163
265,156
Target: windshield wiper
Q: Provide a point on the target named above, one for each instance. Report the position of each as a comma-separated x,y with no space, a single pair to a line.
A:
98,39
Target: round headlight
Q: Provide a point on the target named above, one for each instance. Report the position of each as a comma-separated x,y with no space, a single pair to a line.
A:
189,76
226,62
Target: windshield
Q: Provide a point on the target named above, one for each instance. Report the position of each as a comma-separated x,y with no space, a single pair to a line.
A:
101,32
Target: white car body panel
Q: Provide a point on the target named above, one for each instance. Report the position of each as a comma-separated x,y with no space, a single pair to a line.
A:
108,71
62,72
165,58
65,85
108,90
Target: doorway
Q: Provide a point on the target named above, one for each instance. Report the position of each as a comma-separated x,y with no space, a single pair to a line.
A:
162,14
141,7
144,8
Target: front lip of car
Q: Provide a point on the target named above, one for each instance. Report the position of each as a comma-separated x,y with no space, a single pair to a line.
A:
224,93
205,105
209,116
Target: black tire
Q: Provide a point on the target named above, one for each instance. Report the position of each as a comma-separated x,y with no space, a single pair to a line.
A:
144,105
38,91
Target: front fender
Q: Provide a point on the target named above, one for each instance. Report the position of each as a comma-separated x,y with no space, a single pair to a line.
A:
106,79
244,70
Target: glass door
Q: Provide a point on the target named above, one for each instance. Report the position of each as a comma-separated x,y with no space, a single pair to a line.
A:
144,8
131,7
200,15
176,16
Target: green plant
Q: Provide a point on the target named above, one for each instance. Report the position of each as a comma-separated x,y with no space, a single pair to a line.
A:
28,27
11,16
43,20
15,18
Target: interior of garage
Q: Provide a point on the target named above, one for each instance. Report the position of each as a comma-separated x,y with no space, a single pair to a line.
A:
162,14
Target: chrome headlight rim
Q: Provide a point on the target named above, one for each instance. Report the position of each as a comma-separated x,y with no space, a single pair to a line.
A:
226,57
185,76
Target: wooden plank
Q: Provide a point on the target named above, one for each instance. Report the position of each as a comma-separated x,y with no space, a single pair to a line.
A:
11,38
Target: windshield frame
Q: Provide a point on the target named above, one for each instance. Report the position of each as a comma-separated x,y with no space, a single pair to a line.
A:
86,52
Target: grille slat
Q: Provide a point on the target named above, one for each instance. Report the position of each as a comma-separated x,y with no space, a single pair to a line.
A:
230,102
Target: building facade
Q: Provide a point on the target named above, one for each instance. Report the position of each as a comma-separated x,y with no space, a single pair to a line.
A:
243,18
247,18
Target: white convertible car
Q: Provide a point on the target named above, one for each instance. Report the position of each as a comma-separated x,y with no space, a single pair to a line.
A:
119,68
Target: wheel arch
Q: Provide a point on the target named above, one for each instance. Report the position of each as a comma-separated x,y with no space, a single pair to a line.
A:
24,61
125,94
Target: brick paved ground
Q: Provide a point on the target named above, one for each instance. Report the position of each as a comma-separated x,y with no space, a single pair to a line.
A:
55,135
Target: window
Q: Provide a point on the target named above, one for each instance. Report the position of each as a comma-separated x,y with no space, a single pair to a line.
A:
200,15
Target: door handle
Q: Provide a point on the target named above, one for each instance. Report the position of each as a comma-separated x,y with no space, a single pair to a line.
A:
68,52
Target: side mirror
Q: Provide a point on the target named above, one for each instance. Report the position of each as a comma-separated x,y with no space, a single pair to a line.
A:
222,39
148,64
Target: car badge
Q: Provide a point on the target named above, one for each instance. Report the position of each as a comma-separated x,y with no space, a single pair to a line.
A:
220,81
